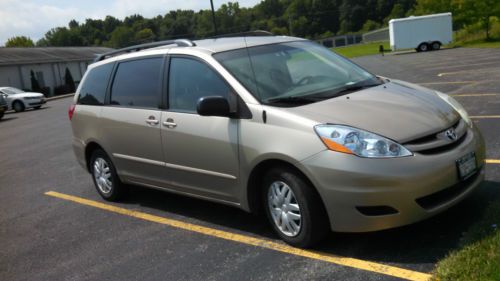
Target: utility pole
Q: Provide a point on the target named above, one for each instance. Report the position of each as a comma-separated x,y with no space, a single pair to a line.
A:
213,16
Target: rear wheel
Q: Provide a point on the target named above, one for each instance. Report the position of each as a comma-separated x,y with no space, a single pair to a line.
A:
436,46
423,47
105,177
18,106
293,208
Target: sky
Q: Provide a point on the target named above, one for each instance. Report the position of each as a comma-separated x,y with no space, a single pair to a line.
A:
33,18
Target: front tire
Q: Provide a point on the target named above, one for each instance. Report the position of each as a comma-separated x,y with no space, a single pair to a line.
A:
423,47
105,177
294,208
18,106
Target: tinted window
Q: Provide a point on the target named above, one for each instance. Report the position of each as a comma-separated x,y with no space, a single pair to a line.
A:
137,83
189,81
93,89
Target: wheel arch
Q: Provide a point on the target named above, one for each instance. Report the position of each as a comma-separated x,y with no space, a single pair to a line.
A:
254,184
89,149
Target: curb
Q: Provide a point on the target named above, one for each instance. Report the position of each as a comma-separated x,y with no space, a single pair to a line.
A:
59,97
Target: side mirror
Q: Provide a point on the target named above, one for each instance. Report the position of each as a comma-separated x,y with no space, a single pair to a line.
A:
213,106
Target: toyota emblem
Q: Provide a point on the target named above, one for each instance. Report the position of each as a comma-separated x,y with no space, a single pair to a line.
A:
451,134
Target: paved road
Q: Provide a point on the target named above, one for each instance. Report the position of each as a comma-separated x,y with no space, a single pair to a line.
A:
45,238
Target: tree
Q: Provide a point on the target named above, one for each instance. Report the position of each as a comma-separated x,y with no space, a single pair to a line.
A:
19,41
144,35
122,36
483,11
35,86
69,82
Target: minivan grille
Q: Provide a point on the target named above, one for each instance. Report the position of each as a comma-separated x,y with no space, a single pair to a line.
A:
438,142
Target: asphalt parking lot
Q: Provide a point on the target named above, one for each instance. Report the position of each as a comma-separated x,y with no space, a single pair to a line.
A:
161,236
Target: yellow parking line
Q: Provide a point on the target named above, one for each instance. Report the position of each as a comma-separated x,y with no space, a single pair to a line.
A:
253,241
492,161
473,95
449,82
485,116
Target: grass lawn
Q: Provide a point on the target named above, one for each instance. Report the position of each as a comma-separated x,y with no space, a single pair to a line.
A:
478,257
361,49
478,44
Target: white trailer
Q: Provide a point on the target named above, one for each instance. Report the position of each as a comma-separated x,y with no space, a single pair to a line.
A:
422,33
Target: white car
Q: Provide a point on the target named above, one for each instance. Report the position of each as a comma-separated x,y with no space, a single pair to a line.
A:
20,100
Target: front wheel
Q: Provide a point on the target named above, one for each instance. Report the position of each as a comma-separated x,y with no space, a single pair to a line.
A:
424,47
105,177
18,106
294,208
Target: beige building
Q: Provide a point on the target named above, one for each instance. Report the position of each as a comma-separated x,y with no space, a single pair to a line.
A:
48,65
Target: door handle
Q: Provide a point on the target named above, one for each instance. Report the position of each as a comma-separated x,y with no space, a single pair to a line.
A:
170,123
152,120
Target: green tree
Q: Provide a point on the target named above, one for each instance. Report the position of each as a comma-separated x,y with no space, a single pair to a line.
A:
19,41
144,35
483,12
121,37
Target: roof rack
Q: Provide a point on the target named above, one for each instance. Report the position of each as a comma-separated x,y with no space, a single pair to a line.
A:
136,48
245,33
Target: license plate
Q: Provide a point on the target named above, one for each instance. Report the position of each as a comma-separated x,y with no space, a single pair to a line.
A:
466,165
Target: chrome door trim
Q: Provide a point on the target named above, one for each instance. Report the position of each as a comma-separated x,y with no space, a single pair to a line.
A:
139,159
173,166
200,171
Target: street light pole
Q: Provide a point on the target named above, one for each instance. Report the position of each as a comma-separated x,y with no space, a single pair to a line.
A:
213,16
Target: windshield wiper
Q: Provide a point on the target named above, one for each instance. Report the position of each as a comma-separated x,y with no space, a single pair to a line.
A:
353,88
294,99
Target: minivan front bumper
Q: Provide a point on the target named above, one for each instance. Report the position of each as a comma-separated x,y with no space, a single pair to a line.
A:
363,194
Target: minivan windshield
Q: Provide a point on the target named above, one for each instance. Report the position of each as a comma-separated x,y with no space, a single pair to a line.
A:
294,73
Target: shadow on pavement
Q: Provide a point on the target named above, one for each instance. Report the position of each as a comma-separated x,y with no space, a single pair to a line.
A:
420,243
6,119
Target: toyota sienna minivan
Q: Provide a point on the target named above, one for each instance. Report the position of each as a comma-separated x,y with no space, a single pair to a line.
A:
275,124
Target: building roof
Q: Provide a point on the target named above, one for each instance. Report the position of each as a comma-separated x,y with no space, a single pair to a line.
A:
19,56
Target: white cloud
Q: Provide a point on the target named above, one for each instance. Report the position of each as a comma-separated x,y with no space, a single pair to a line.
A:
33,18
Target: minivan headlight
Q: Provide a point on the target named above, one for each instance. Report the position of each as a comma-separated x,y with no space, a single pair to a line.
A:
456,105
351,140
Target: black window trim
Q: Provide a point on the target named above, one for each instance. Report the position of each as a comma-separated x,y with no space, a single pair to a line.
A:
242,111
107,100
105,90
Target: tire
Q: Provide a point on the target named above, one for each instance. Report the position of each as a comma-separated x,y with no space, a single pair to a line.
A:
305,230
423,47
435,46
37,107
105,178
2,114
18,106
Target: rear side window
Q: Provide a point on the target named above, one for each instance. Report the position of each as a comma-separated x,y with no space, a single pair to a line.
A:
137,83
93,89
189,81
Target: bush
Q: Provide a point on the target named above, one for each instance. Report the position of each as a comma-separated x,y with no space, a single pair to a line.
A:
45,91
62,90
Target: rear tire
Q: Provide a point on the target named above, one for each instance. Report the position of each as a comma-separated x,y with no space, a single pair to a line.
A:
298,215
105,178
423,47
435,46
18,106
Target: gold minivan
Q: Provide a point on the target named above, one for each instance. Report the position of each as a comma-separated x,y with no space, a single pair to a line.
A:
275,124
